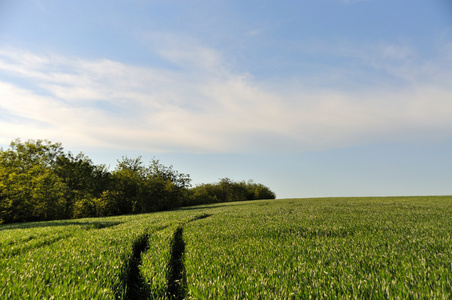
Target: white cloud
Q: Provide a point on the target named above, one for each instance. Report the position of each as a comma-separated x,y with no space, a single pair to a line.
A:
203,107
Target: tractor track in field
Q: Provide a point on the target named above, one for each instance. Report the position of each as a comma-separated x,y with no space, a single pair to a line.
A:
136,285
176,277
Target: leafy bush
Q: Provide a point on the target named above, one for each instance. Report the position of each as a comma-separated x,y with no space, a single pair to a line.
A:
39,181
229,191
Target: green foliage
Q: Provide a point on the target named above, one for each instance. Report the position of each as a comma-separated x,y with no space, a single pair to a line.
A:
86,207
148,188
84,181
23,156
228,191
30,193
259,191
39,181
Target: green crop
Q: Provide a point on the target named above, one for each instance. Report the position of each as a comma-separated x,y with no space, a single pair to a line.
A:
353,248
87,263
323,248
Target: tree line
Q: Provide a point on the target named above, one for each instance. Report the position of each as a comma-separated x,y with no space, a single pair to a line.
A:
40,181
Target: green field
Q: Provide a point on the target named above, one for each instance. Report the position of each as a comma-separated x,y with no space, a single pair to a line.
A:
372,248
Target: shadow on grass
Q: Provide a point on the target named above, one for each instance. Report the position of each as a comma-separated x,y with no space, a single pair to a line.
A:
87,225
136,284
211,206
176,276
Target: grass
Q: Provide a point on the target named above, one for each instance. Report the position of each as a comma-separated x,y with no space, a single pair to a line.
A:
354,248
323,248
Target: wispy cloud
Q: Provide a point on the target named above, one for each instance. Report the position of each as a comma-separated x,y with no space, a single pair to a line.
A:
203,106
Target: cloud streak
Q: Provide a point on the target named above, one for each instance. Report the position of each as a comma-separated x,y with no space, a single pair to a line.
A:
200,106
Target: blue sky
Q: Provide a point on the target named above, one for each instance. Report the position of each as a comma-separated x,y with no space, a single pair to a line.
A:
311,98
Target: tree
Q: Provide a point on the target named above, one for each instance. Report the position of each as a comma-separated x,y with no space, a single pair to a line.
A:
227,190
39,181
205,193
83,179
30,191
148,188
168,188
259,191
22,156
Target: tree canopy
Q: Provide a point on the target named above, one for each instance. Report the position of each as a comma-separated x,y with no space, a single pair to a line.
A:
39,181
